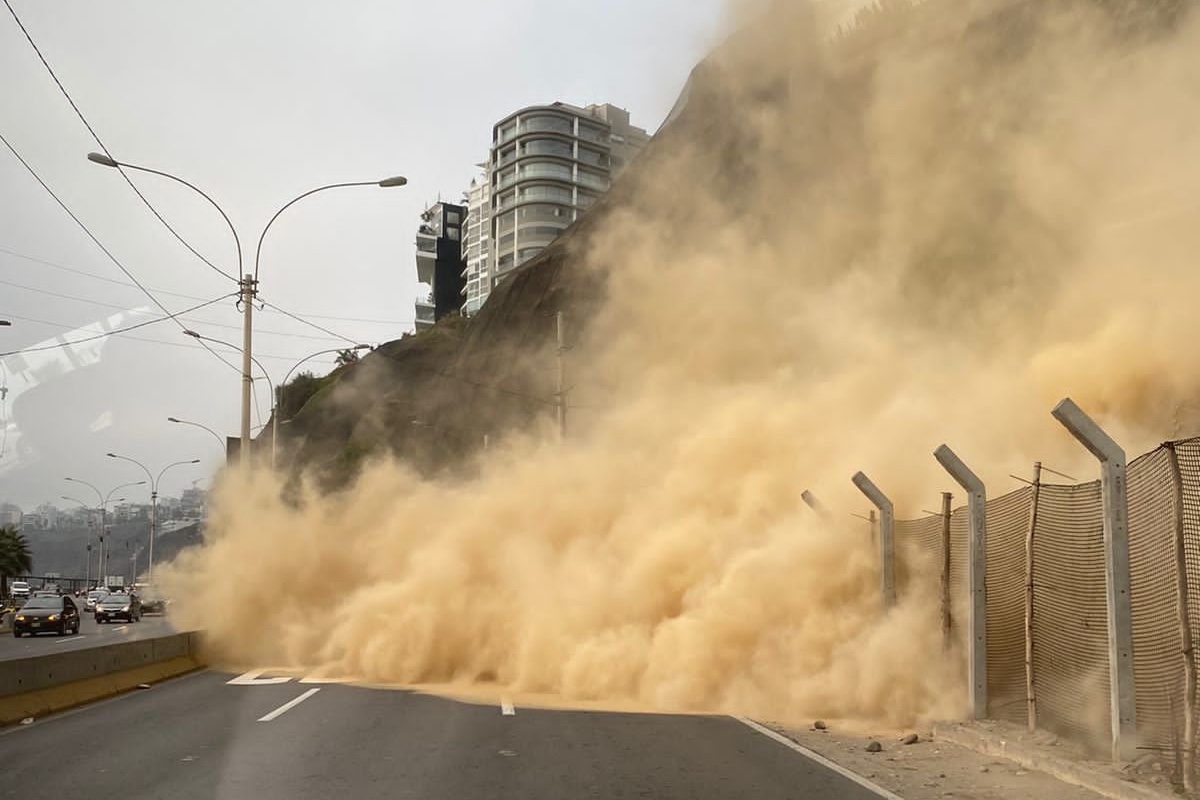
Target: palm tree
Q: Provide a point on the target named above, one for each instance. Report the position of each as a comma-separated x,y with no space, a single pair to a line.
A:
15,557
346,357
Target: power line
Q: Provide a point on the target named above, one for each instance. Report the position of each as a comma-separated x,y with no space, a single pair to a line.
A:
92,275
135,311
102,146
29,168
113,332
115,282
306,322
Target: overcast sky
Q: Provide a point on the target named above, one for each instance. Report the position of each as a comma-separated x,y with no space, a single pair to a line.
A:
256,103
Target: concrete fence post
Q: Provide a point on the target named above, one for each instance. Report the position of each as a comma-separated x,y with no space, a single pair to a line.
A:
816,505
976,576
887,546
1122,698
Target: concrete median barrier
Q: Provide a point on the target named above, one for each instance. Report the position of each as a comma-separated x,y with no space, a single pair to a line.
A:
36,686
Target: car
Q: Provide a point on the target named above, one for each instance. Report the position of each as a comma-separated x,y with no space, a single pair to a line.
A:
47,615
94,597
152,601
19,589
44,593
119,606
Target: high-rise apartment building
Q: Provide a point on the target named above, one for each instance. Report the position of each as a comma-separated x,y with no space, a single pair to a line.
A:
439,262
548,164
477,240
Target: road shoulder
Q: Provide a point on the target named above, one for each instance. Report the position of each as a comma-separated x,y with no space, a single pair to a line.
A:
930,768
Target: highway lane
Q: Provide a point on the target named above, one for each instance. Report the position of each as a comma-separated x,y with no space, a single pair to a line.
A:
199,737
90,635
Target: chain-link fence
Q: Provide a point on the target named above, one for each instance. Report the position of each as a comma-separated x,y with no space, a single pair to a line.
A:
1046,589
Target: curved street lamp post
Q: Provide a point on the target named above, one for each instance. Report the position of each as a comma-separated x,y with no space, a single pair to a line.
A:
279,400
104,501
219,438
154,484
245,443
247,283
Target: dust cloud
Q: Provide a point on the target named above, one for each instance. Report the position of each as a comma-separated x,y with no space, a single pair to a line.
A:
927,227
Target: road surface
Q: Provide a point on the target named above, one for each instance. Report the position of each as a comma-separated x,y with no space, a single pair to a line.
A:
90,635
201,737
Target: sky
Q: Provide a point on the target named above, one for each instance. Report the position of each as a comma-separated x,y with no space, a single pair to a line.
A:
255,103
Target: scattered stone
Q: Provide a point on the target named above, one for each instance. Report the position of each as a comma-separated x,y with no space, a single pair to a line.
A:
872,747
143,686
27,721
1157,766
984,768
911,738
186,759
1156,779
941,774
508,753
1020,772
819,725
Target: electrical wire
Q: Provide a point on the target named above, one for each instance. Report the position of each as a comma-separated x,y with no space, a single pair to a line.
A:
115,331
102,146
116,282
92,275
29,168
306,322
134,311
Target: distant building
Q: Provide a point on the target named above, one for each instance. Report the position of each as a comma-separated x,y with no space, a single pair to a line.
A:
477,240
49,515
439,262
192,503
547,165
10,515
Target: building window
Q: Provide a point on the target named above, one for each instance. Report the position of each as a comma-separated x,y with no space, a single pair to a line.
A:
453,218
453,233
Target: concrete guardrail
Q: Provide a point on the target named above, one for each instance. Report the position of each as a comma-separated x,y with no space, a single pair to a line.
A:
38,685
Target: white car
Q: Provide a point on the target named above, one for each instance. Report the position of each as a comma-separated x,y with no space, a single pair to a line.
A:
93,598
19,589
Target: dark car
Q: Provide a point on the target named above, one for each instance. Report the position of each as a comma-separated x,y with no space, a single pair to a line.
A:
47,614
119,606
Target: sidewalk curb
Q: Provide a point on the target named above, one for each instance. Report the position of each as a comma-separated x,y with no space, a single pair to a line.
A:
1080,774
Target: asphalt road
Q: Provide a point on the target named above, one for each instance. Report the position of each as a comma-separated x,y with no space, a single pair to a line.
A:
90,635
200,737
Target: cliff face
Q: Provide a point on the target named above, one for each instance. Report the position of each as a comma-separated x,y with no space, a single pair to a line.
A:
778,127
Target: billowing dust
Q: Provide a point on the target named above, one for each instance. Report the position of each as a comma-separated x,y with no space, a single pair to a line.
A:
850,249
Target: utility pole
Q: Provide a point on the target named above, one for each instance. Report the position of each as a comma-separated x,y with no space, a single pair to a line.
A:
247,380
153,531
561,394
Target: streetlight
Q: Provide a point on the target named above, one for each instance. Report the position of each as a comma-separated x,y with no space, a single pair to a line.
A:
247,284
154,484
220,439
282,386
245,353
87,550
104,500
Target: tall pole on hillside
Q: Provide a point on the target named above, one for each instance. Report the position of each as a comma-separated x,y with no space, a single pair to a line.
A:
561,394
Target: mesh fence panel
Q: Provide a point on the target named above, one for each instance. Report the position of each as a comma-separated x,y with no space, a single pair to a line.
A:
918,554
1157,663
1189,468
1007,525
958,576
1070,632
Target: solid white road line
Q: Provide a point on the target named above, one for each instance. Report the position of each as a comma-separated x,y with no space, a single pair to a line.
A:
506,707
288,706
74,638
820,759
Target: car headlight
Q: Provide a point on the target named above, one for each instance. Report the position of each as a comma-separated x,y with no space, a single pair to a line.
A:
53,618
21,618
126,608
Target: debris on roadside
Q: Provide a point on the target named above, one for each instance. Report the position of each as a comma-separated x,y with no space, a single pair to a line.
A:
874,747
